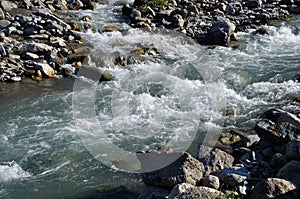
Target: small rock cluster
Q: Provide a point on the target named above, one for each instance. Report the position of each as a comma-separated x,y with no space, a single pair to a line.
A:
263,163
35,42
209,22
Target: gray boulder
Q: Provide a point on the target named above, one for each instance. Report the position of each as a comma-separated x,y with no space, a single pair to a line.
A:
216,160
274,188
188,191
6,5
168,169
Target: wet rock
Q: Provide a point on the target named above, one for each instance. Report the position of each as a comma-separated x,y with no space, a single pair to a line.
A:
220,32
135,14
126,10
290,172
67,70
216,160
168,169
16,79
46,69
75,5
274,188
278,126
151,192
188,191
211,181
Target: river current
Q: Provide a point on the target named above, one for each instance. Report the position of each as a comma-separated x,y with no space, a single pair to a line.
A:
56,134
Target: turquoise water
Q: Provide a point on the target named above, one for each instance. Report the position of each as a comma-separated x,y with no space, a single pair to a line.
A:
162,102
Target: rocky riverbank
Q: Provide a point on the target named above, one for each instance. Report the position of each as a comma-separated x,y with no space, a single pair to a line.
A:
35,42
262,163
208,22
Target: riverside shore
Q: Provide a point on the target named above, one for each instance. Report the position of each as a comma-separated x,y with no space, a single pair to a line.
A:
241,163
36,43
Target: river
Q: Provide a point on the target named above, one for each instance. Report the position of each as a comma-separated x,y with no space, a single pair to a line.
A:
64,138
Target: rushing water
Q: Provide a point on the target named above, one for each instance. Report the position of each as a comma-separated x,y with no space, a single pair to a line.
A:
166,101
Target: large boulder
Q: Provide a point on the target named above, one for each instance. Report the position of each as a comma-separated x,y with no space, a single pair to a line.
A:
220,33
216,160
290,172
274,188
161,168
188,191
278,126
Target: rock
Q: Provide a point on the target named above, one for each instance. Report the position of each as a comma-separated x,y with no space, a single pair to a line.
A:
16,79
279,126
290,172
2,15
67,70
38,48
274,188
216,160
4,23
220,32
168,169
151,192
2,51
232,178
30,56
278,160
211,181
177,20
45,68
47,15
293,150
278,116
188,191
135,14
75,5
253,4
126,10
6,5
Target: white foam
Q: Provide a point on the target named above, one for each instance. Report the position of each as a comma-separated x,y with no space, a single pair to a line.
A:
11,171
